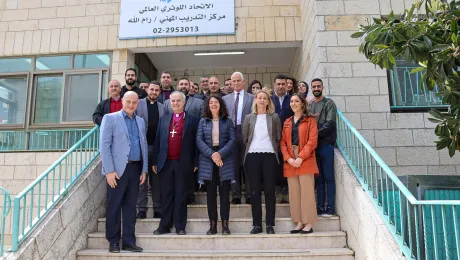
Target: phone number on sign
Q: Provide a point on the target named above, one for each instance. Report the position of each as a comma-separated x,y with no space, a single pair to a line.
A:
178,29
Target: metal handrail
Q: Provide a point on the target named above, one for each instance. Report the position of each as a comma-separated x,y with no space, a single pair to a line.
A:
415,224
40,139
5,211
37,200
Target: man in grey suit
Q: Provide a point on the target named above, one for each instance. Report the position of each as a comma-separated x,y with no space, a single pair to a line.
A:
192,105
123,150
239,105
151,111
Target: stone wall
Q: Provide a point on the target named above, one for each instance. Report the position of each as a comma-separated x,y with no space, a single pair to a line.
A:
58,26
404,140
367,234
64,230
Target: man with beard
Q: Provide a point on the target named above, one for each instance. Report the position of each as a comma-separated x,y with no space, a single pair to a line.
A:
130,78
193,105
204,86
110,105
175,158
281,99
144,86
166,88
228,86
193,89
325,111
151,111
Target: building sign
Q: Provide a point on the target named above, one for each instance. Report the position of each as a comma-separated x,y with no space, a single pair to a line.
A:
171,18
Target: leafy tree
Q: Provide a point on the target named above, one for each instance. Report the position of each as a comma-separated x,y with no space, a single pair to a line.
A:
427,34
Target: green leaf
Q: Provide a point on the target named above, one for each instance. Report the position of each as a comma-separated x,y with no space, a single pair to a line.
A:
454,26
417,69
452,147
357,34
436,114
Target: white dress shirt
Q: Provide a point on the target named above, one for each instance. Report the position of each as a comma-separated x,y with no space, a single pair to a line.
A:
240,107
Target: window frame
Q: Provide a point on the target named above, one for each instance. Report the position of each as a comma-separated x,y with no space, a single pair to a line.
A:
31,90
409,109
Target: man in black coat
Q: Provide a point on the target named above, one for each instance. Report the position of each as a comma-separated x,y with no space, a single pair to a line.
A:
282,100
109,105
175,159
131,79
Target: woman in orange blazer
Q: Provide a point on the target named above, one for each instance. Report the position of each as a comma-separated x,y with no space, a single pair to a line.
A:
298,143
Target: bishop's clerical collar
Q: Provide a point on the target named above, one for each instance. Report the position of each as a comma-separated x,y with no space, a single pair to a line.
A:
178,115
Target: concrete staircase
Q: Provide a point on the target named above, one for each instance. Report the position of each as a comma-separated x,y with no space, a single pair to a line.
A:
326,243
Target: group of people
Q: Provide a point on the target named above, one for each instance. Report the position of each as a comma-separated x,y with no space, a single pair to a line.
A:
278,143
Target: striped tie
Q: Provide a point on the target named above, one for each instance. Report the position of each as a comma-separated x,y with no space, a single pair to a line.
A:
235,109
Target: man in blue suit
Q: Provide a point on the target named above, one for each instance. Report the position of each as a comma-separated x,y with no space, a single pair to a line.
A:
124,155
282,101
175,159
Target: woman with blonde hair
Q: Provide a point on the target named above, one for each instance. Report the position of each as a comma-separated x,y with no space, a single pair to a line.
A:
298,144
261,135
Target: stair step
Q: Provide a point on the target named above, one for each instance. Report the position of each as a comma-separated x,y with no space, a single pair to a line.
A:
192,241
237,225
236,211
311,254
200,198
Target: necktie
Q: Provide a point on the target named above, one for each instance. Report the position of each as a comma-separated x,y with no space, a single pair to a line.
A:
235,109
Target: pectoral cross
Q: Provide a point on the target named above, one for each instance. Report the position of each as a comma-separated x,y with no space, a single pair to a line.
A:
173,132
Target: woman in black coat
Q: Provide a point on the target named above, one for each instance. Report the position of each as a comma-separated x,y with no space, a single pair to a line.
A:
215,140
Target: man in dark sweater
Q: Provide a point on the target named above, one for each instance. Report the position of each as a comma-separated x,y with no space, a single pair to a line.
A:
166,87
325,111
131,79
151,111
109,105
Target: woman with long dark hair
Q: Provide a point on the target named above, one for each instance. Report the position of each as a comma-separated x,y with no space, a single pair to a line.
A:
254,86
215,140
303,88
298,144
292,86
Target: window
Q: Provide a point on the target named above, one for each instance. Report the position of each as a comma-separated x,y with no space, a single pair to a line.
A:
48,92
53,63
15,64
13,100
406,92
92,61
81,97
52,90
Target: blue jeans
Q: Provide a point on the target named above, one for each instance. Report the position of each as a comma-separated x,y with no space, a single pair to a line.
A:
325,181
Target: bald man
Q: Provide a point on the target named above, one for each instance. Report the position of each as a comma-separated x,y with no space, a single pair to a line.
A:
110,105
124,155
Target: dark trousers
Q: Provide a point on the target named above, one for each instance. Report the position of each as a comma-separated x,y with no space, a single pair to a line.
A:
154,181
211,196
238,153
174,181
325,180
281,181
122,200
262,166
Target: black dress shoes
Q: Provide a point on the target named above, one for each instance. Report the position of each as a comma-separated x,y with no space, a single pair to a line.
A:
191,201
181,232
141,215
156,215
114,248
270,230
248,201
306,232
256,230
132,248
161,231
236,201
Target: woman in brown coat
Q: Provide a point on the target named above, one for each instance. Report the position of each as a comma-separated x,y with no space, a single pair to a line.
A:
298,142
